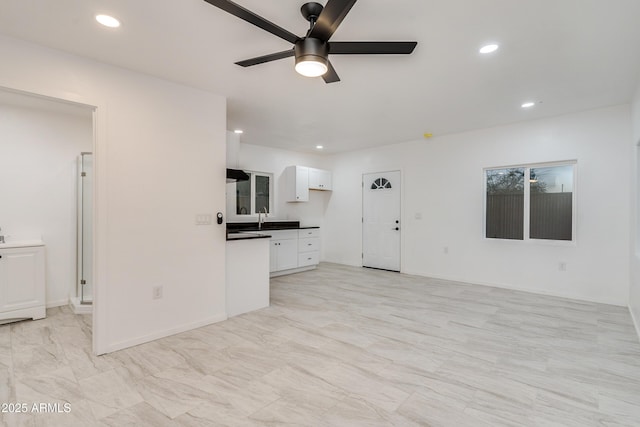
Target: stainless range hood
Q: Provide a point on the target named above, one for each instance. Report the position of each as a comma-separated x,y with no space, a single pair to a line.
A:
234,175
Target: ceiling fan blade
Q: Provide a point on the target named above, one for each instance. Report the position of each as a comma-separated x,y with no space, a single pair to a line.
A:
266,58
330,76
371,48
252,18
330,18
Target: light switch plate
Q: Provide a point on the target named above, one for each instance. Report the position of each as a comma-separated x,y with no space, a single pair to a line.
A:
203,219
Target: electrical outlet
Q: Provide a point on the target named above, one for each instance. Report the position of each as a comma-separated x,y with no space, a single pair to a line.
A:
157,292
562,266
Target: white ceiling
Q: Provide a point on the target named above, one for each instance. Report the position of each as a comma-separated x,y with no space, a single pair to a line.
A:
571,55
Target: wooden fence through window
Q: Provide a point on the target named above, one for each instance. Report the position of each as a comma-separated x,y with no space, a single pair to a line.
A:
550,216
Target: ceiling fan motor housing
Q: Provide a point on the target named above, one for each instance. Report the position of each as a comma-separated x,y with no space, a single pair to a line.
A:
311,49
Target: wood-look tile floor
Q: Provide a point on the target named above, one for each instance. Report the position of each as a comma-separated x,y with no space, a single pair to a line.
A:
343,346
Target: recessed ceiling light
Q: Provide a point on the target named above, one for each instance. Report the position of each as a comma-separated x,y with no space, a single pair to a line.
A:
528,104
489,48
319,147
108,21
238,131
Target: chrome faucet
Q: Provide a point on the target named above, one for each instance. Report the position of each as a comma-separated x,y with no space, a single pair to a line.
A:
260,219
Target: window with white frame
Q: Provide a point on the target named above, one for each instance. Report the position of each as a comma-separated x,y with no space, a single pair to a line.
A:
529,202
254,195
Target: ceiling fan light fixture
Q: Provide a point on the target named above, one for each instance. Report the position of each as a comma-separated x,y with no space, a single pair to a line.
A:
311,57
311,68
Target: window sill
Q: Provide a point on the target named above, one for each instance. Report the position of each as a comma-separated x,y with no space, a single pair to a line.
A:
536,242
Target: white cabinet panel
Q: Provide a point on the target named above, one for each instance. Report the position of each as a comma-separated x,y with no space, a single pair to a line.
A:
22,283
308,259
319,179
283,254
273,256
297,184
287,254
308,232
247,288
309,245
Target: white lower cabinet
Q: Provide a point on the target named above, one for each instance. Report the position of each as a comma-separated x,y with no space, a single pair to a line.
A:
22,283
308,247
284,250
294,250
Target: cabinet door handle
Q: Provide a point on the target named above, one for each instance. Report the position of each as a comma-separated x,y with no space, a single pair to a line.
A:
396,229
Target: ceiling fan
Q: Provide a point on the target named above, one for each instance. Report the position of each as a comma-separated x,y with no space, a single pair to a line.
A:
312,51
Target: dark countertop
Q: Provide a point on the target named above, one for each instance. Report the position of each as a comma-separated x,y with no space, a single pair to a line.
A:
246,236
233,227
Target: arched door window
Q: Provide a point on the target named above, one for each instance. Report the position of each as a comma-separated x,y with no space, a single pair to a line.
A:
380,184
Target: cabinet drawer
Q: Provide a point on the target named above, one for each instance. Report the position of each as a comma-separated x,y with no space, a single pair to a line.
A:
308,258
309,245
309,232
282,234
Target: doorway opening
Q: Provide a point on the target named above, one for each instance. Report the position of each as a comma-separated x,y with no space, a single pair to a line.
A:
43,138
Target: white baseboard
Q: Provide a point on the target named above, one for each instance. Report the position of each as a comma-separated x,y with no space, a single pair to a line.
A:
292,271
634,319
58,303
522,289
165,333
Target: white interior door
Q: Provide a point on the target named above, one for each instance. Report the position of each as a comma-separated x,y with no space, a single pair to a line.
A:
381,220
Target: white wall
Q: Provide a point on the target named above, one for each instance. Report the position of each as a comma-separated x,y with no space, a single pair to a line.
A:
634,292
443,180
41,141
159,161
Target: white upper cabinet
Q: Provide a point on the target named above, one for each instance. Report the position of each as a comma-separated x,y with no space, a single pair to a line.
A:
319,179
301,179
297,183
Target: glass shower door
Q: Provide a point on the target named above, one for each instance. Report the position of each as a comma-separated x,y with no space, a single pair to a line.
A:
85,228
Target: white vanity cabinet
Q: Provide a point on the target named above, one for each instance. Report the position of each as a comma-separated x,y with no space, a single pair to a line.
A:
283,253
22,281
